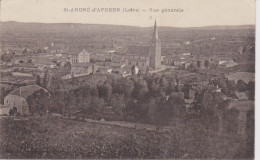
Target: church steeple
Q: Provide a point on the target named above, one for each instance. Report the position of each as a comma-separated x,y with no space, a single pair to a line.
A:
155,33
155,50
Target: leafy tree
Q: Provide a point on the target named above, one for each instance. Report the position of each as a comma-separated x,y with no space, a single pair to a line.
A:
94,91
141,89
232,87
96,105
164,83
66,68
118,104
206,63
176,103
152,109
223,84
105,91
25,51
6,57
128,88
172,86
38,102
241,86
39,51
38,82
46,80
251,90
198,64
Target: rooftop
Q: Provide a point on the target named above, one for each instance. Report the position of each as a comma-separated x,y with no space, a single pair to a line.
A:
26,91
138,50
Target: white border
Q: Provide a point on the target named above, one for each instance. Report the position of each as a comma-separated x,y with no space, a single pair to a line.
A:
257,90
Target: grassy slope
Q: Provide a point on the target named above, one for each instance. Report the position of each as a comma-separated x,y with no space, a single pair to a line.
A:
59,138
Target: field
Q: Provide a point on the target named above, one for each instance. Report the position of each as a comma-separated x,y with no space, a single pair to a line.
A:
53,137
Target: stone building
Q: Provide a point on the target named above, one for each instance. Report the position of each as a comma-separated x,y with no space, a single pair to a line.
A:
145,56
82,57
17,99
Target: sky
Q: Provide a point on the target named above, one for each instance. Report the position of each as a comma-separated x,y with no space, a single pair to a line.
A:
196,13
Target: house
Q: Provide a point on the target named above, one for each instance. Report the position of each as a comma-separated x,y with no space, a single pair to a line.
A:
145,56
4,110
229,64
80,69
56,48
138,56
188,103
167,60
81,57
244,76
42,62
192,93
17,99
135,70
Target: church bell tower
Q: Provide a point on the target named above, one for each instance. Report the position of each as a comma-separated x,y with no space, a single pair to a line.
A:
155,50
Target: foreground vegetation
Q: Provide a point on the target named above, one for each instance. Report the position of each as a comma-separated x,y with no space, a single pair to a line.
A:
59,138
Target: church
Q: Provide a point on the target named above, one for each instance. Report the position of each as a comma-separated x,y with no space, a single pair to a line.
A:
145,57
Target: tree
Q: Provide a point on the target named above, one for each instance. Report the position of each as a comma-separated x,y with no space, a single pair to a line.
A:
104,46
66,68
94,91
172,86
164,83
105,91
55,82
176,103
96,105
152,110
141,89
21,61
232,87
128,88
251,90
241,86
206,63
38,101
39,51
118,104
46,80
223,84
29,61
38,82
198,64
25,51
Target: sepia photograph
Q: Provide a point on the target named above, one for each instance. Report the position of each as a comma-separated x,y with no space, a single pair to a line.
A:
127,79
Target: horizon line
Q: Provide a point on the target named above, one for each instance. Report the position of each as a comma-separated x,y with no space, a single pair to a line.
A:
129,25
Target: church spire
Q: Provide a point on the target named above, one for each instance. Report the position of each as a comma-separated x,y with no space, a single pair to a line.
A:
155,33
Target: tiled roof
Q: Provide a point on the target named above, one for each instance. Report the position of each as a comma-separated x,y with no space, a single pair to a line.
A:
26,91
81,64
245,76
138,50
241,95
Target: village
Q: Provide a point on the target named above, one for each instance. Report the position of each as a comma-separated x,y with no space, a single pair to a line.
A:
132,85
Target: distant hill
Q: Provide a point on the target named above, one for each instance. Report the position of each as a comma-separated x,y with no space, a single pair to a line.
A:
11,25
77,34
